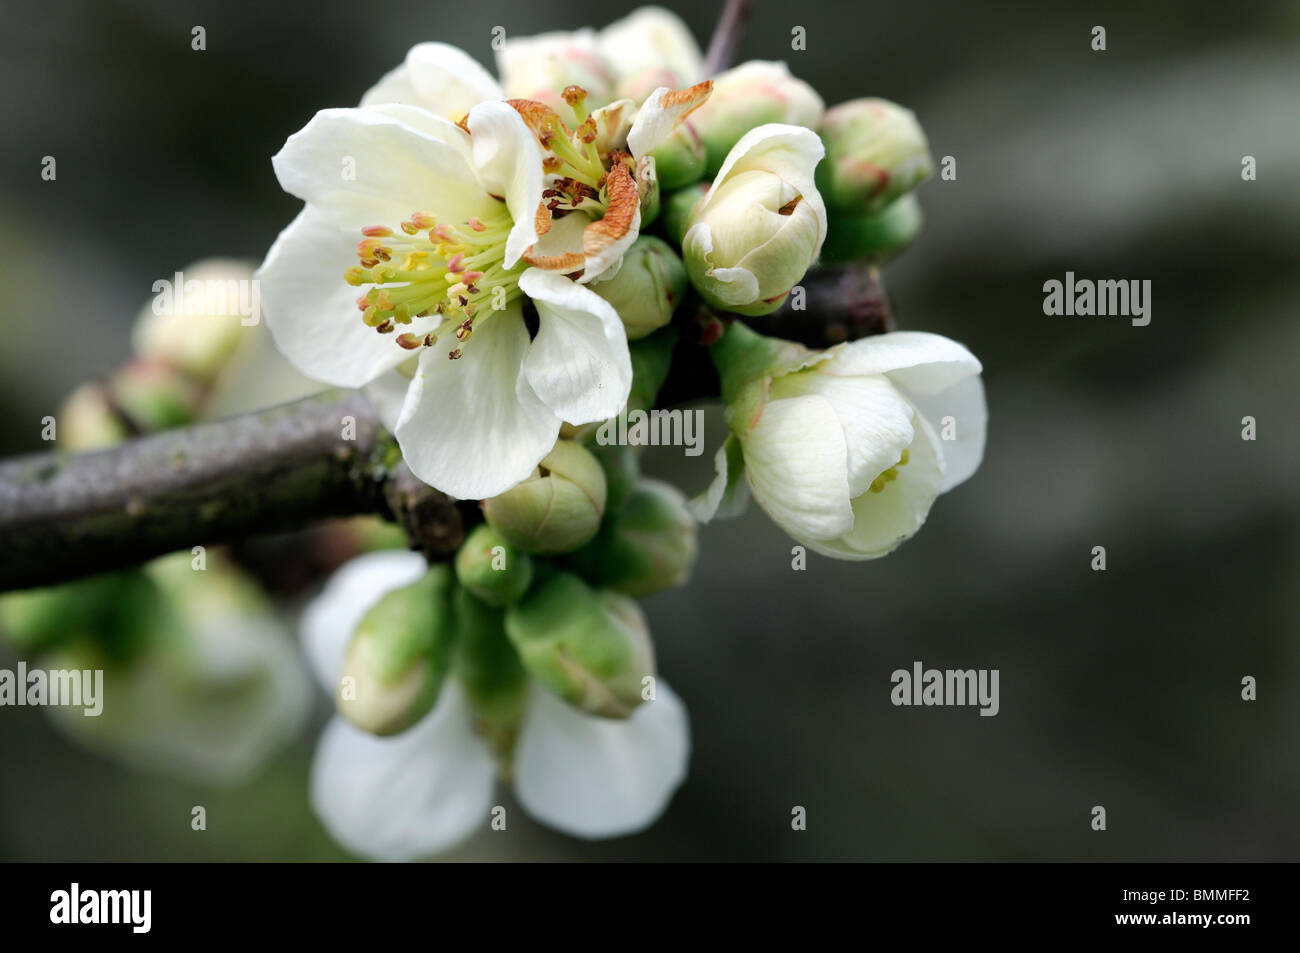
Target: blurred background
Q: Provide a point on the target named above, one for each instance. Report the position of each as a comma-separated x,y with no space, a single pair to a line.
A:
1118,688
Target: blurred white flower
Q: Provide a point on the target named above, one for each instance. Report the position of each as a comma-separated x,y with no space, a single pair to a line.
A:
846,449
428,789
649,48
750,95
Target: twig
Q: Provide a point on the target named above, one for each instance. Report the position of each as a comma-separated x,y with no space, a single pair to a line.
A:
726,36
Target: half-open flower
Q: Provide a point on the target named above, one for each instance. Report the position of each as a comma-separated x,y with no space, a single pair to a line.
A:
649,48
753,235
439,321
846,449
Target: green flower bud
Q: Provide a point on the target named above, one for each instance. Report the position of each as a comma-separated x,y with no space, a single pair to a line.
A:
558,508
875,153
398,656
680,159
489,670
678,210
748,96
762,223
590,647
117,611
495,571
156,396
647,288
874,238
648,546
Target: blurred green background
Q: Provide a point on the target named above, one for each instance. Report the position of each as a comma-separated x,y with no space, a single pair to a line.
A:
1119,688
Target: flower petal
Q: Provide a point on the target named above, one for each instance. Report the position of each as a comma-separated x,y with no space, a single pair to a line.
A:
964,451
652,38
882,521
579,363
448,80
329,620
509,163
661,113
796,462
605,240
473,427
369,167
387,394
877,420
560,247
312,312
732,286
728,494
600,777
409,796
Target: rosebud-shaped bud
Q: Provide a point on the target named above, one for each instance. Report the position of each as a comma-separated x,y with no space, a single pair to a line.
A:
761,224
495,571
875,152
399,655
489,670
648,287
590,647
650,545
558,508
678,209
541,67
876,237
200,317
750,95
679,159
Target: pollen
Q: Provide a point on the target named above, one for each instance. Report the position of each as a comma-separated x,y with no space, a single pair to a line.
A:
890,475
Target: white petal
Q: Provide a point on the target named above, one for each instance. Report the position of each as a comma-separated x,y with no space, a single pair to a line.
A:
877,420
602,258
792,152
964,403
312,312
406,797
881,521
601,777
369,167
387,394
737,286
796,461
509,163
652,38
329,620
579,363
728,494
395,86
473,427
660,115
449,80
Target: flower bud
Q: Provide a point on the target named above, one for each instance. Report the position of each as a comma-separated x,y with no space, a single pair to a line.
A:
199,325
398,656
156,396
488,566
761,224
875,153
648,546
679,159
648,287
87,420
649,48
558,508
876,237
678,209
750,95
541,67
488,669
590,647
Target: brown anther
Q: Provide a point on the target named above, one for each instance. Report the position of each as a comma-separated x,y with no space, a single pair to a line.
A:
454,355
551,165
430,339
587,131
574,96
386,327
408,341
369,262
789,207
410,228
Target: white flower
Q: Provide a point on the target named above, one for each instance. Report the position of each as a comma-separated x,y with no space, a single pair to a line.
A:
847,449
443,280
753,235
649,48
428,789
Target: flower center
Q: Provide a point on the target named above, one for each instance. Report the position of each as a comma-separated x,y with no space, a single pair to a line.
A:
455,270
890,475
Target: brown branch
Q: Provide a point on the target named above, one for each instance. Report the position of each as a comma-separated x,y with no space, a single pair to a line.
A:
726,36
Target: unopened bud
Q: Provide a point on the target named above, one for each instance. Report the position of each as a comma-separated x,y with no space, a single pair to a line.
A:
876,152
491,568
876,237
647,288
750,95
648,546
558,508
